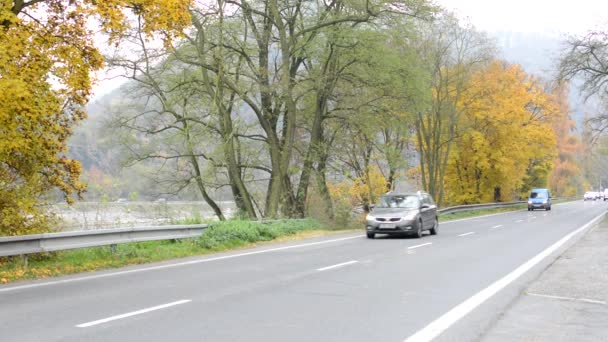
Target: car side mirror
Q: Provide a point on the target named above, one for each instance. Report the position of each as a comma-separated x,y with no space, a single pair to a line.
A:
425,206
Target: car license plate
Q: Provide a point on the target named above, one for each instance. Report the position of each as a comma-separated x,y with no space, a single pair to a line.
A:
387,226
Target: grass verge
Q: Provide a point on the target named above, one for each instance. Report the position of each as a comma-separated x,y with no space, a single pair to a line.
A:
222,236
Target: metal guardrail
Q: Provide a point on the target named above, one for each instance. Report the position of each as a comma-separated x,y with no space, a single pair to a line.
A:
468,207
38,243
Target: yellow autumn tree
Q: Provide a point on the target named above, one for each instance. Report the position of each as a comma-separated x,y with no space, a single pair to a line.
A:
46,59
506,143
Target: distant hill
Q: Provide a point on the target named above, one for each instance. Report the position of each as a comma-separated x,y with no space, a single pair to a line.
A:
538,54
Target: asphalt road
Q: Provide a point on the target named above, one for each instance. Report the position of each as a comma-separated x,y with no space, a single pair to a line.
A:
340,288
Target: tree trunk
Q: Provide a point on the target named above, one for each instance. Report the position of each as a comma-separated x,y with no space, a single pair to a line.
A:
322,183
199,178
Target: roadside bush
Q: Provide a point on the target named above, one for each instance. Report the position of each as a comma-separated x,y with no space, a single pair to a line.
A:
235,233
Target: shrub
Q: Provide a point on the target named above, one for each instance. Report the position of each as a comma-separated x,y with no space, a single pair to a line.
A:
234,233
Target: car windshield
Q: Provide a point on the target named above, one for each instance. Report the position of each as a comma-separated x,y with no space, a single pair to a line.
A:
538,195
400,201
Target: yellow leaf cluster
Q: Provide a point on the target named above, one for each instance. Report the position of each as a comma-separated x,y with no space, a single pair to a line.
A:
46,59
508,142
363,189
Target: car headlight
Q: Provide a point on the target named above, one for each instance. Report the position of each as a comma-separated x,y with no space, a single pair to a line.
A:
545,202
369,217
529,202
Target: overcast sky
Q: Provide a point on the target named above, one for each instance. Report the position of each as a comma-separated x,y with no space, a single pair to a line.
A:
542,16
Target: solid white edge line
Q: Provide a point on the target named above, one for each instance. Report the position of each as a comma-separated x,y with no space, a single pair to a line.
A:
337,265
445,321
421,245
133,313
191,262
586,300
466,234
496,226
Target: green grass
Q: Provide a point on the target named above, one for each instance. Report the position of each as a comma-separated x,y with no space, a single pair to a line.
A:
221,236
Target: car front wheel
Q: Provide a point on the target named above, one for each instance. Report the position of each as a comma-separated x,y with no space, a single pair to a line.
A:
371,235
419,231
435,228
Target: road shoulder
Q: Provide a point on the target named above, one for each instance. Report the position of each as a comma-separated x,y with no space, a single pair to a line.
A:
568,302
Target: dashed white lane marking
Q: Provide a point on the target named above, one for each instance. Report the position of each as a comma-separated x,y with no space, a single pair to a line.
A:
418,246
496,226
466,234
134,313
337,265
519,221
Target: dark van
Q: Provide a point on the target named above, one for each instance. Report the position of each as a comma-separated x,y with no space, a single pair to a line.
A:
539,199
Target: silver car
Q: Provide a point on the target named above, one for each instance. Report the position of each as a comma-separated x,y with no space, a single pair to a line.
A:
403,214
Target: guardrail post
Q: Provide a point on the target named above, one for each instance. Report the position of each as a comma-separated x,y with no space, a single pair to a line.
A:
24,260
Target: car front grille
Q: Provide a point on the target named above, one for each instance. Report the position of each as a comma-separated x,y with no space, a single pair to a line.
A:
392,219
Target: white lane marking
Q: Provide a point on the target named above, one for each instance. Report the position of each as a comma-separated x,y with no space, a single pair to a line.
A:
441,324
465,234
337,265
134,313
519,221
496,226
533,217
586,300
185,263
421,245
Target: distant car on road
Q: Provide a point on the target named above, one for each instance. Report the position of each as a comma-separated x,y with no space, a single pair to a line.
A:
403,214
539,199
589,196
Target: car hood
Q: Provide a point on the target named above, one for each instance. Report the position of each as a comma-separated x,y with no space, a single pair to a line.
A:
537,200
391,211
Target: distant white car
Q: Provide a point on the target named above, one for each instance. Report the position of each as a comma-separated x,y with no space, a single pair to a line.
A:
589,195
